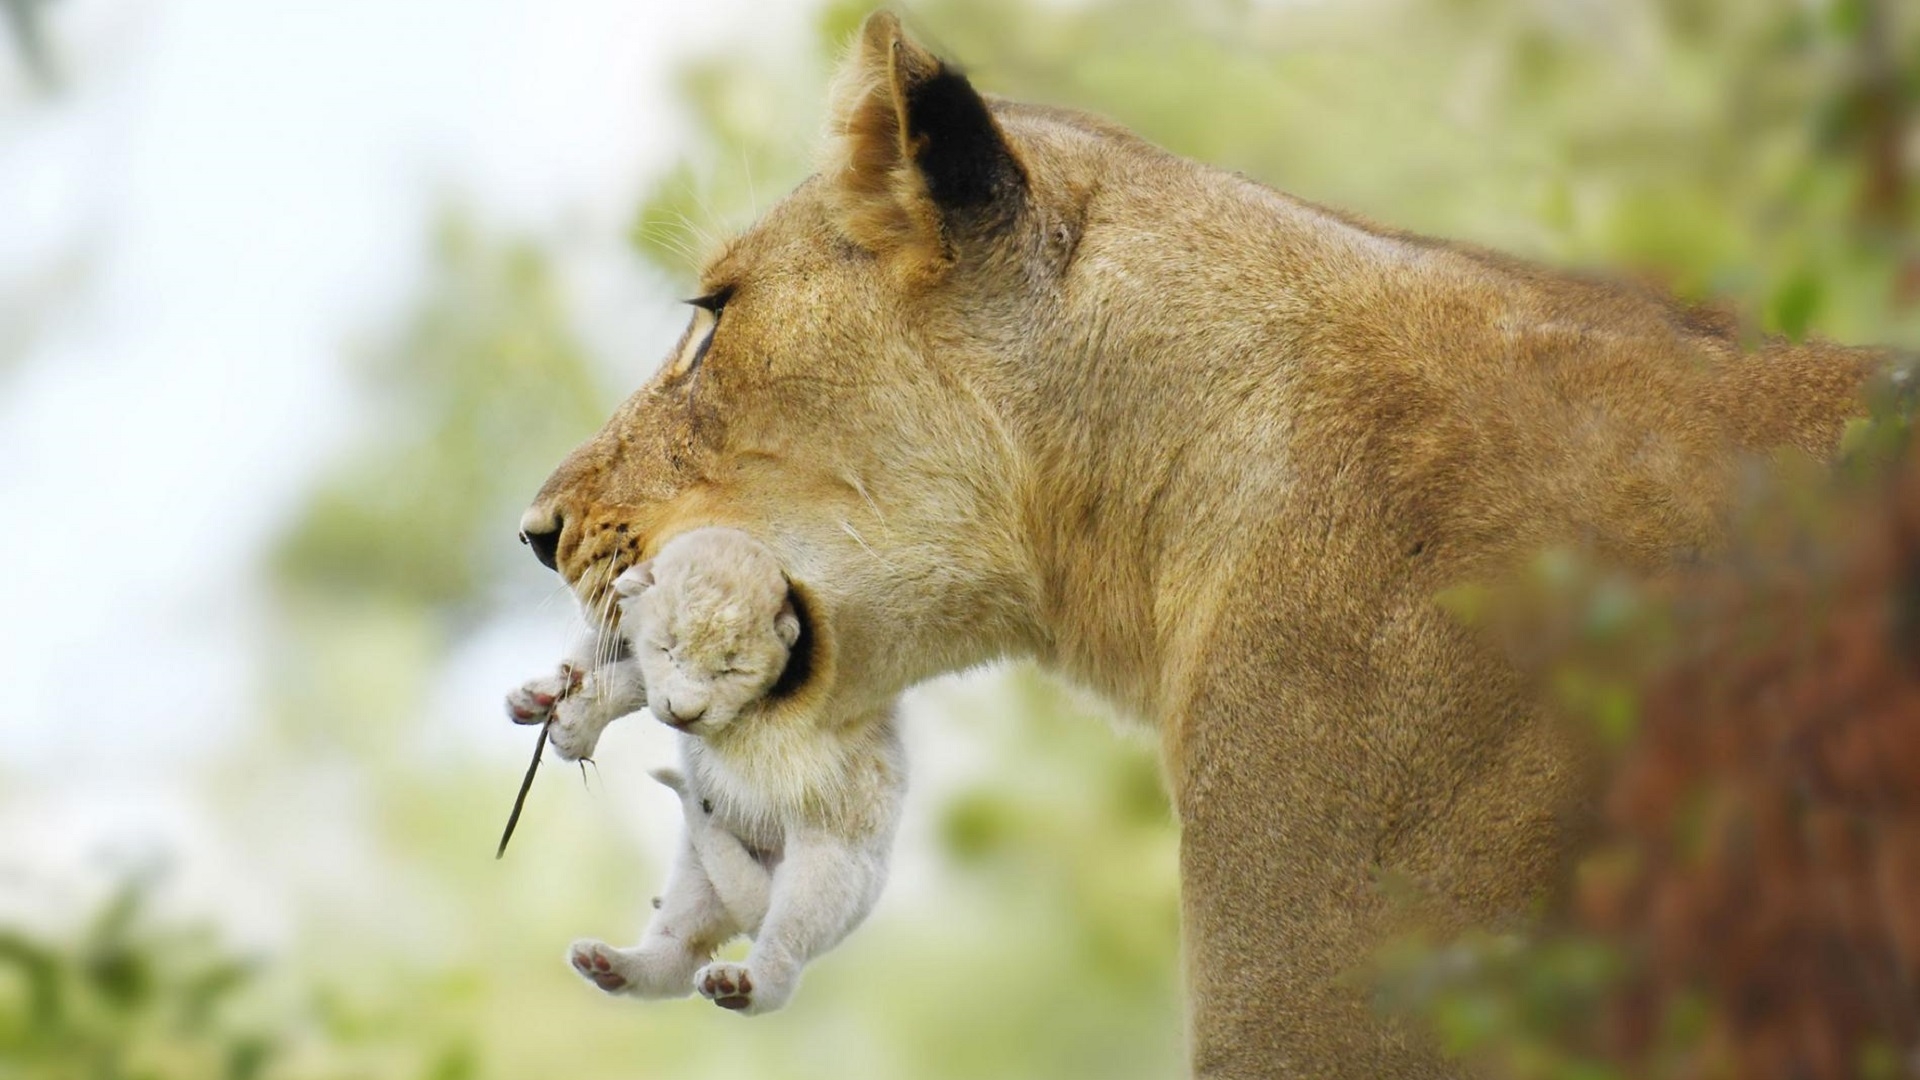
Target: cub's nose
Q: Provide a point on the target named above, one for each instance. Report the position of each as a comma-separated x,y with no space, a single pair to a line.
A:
680,715
540,530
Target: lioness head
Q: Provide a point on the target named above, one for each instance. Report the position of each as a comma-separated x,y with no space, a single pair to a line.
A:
832,395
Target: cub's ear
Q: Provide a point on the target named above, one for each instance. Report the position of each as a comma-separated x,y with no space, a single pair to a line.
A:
635,579
671,778
787,623
914,157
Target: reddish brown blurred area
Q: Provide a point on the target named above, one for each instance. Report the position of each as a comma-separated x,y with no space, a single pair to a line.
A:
1762,861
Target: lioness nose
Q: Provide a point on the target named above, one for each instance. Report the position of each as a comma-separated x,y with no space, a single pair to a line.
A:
540,530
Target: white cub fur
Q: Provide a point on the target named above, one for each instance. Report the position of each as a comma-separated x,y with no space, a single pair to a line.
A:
789,821
693,636
742,878
715,625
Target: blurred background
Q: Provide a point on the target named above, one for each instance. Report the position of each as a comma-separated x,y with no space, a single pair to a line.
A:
299,303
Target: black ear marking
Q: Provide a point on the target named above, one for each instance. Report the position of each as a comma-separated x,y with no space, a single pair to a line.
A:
800,657
956,144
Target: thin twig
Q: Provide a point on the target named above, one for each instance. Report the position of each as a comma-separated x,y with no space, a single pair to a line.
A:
526,785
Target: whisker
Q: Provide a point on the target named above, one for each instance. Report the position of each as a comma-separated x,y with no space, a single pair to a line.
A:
862,541
606,641
693,226
672,243
559,591
753,193
861,488
681,244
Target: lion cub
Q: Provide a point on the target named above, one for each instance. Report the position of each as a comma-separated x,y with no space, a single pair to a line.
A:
789,820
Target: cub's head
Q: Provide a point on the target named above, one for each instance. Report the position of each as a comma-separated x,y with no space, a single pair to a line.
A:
712,622
841,388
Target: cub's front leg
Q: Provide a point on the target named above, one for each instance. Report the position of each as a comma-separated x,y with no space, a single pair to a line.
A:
579,700
599,697
822,889
534,701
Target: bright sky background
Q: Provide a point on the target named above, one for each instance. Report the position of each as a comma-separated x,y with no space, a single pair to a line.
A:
245,188
225,195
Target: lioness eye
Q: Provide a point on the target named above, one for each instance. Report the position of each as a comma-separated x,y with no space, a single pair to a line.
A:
705,321
715,302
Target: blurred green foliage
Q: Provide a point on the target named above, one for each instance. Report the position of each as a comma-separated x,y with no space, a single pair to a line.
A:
1509,998
455,433
126,996
1547,1003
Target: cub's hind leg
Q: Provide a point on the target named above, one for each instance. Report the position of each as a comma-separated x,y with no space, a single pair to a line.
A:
688,926
821,891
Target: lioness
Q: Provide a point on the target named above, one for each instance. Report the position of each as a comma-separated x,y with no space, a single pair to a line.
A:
1004,380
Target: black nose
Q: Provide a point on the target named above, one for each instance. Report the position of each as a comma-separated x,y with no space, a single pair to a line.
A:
543,544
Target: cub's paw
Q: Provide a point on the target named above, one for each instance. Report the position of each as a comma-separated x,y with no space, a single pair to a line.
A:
577,724
533,701
729,986
599,963
735,987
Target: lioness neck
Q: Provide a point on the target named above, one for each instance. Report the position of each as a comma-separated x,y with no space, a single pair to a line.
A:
1230,370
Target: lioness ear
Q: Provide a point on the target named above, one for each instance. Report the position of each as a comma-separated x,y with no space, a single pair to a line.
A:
787,623
914,155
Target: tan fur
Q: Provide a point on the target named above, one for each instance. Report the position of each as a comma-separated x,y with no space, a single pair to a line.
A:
1211,452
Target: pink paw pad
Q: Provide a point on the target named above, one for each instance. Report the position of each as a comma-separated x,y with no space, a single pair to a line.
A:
593,964
529,708
729,988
